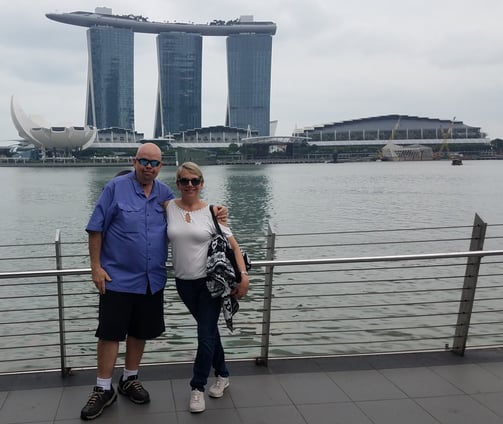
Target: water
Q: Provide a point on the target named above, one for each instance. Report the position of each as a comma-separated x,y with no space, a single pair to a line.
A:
294,197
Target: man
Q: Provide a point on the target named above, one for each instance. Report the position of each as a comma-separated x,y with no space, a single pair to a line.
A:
127,248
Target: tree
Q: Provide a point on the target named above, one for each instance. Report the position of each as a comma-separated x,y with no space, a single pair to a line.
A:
497,145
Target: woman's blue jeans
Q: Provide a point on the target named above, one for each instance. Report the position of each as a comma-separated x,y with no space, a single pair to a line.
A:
206,310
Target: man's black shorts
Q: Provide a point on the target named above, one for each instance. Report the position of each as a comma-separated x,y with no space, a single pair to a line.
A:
137,315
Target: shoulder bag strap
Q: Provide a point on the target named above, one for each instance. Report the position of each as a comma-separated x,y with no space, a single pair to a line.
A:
217,225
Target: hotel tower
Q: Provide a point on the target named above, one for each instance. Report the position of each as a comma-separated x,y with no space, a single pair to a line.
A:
110,88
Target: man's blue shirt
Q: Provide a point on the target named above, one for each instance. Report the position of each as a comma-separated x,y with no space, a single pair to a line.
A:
133,228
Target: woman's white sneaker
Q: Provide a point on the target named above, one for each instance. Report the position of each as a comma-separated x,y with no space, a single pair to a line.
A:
218,387
197,403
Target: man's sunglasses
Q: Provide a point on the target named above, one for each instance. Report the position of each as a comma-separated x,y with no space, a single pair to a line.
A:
186,181
145,162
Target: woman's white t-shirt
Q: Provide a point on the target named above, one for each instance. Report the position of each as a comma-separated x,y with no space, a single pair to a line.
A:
189,234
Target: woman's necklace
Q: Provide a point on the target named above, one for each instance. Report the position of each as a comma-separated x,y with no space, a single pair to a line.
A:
187,218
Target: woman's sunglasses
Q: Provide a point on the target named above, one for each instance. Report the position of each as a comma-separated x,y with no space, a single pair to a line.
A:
186,181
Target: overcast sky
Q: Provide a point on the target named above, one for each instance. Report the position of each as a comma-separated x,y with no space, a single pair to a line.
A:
331,60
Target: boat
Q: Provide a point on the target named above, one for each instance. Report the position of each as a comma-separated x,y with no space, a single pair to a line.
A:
457,161
456,158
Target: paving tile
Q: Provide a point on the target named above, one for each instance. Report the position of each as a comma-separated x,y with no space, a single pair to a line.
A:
420,382
396,411
333,413
470,378
3,396
73,400
366,385
493,401
287,414
495,368
459,410
212,416
36,405
264,390
311,388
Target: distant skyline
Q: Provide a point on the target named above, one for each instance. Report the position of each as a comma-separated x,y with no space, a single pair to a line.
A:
330,62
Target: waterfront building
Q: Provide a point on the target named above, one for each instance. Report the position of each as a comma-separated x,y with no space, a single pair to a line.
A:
214,136
178,105
400,129
110,80
179,48
37,134
249,78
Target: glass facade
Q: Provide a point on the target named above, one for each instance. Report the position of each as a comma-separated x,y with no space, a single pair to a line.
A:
249,81
178,106
110,88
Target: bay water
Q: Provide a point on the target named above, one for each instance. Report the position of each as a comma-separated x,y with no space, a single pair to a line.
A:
292,198
34,202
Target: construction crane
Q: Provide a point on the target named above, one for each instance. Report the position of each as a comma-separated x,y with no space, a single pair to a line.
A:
389,142
443,152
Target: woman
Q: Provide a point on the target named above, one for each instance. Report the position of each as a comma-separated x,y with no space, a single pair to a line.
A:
190,227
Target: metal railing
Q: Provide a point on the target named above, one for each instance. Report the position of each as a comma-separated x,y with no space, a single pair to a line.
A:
306,299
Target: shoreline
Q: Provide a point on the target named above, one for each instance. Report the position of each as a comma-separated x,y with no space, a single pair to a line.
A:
81,164
128,163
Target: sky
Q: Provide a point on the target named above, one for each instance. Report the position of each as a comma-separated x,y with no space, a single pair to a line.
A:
331,60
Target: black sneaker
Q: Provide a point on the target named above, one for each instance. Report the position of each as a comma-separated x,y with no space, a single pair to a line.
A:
98,401
133,389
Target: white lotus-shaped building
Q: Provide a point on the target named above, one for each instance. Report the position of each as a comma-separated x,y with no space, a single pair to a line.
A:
34,129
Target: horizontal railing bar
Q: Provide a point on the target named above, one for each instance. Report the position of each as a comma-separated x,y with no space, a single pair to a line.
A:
371,243
372,293
25,244
387,317
37,358
28,296
287,262
45,273
23,258
374,281
38,308
363,330
322,261
29,346
381,268
45,333
390,230
361,342
373,305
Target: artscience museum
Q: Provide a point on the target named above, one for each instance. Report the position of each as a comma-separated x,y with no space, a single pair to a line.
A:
35,130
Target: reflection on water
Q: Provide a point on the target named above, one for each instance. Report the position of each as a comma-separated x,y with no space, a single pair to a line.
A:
296,198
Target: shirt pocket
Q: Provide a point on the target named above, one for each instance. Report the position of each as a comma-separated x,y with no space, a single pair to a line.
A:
130,219
159,216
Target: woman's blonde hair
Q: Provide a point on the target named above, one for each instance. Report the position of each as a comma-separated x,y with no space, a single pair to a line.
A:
192,167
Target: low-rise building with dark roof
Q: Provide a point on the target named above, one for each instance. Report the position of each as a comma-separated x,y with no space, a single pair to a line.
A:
403,129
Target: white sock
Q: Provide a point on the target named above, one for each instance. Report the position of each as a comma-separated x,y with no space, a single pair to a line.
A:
128,373
104,383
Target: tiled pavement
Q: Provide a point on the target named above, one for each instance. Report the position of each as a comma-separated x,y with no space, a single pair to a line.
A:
389,389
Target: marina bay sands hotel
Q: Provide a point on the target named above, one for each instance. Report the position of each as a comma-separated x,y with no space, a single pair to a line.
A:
110,86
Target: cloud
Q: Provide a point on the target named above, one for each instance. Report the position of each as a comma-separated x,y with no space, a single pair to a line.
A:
331,60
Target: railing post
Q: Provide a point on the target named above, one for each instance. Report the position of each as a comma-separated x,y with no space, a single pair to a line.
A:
266,314
469,286
61,306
